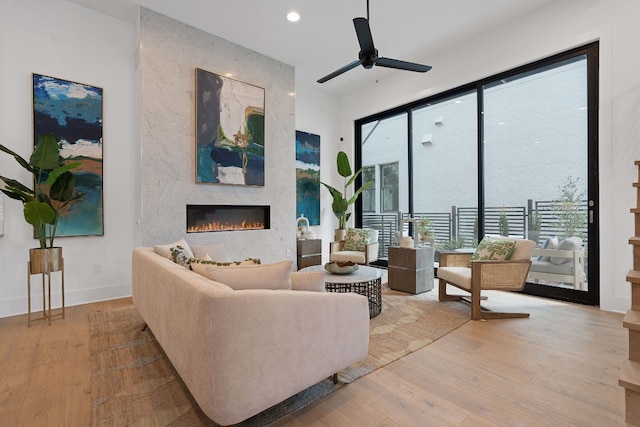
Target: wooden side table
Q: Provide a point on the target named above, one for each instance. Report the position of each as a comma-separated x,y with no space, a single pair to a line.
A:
411,269
309,252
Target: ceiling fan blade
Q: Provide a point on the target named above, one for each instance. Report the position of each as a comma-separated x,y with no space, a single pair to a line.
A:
364,34
344,69
402,65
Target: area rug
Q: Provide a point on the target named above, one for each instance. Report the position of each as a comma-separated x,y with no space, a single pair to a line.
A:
134,384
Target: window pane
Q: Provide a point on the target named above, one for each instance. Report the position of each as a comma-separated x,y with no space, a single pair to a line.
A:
535,154
390,187
384,142
369,195
445,169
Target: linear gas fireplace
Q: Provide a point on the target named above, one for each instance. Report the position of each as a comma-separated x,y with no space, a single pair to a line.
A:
209,218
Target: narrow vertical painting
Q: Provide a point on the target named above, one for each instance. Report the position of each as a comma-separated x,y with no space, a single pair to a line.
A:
72,113
229,131
308,176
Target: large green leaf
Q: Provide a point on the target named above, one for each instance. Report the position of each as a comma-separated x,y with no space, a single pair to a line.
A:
39,213
62,189
13,184
54,174
19,159
46,153
344,168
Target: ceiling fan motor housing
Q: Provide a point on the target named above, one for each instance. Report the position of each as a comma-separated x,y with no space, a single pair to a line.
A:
368,59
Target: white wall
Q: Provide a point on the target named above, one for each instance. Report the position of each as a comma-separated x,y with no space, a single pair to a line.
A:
317,113
59,39
558,27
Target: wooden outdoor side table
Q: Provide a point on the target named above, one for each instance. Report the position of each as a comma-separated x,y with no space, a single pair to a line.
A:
411,269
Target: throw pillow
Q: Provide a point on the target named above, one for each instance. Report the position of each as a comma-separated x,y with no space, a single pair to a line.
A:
180,256
550,243
493,250
165,250
255,276
357,239
569,244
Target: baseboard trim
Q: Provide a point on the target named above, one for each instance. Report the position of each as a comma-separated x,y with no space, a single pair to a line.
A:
17,306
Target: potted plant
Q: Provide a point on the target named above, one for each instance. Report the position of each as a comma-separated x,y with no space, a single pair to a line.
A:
425,230
53,190
340,204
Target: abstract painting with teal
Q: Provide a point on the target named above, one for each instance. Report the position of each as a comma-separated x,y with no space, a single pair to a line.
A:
72,112
308,176
229,131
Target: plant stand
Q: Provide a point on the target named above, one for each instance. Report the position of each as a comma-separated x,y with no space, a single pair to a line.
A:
46,292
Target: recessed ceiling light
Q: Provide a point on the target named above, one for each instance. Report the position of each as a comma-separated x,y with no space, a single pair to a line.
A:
293,16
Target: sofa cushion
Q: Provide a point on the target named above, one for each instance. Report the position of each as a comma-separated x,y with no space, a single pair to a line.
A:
165,250
357,239
491,249
252,276
307,281
569,244
458,275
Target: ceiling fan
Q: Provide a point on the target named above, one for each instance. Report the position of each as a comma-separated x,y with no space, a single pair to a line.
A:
368,55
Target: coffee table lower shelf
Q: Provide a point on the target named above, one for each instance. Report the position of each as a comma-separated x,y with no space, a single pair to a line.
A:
372,289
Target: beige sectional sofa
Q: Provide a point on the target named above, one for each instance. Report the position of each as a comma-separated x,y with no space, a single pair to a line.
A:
240,352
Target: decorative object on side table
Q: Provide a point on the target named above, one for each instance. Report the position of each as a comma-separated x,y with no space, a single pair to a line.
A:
340,203
408,241
53,191
341,267
302,225
425,231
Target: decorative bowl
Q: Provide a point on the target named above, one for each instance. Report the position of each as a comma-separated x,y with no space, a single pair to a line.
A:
338,267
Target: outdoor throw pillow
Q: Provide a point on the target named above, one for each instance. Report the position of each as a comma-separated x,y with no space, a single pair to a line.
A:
569,244
550,243
357,239
493,250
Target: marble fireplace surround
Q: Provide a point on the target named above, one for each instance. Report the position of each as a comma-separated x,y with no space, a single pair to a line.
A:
170,52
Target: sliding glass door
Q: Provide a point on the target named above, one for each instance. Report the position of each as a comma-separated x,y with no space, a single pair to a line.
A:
535,158
513,155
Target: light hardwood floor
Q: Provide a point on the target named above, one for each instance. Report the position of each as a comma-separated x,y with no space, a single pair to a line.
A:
560,367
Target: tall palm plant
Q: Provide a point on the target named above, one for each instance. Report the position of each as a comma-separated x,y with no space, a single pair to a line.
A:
340,204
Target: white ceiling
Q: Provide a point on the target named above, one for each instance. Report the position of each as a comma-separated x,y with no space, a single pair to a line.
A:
324,39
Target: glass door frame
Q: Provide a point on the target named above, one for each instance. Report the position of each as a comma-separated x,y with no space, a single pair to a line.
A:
592,295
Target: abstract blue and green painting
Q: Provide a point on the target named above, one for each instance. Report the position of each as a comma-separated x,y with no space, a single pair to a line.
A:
308,176
229,130
72,112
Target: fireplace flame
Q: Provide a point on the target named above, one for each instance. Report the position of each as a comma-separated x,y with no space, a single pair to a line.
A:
218,226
